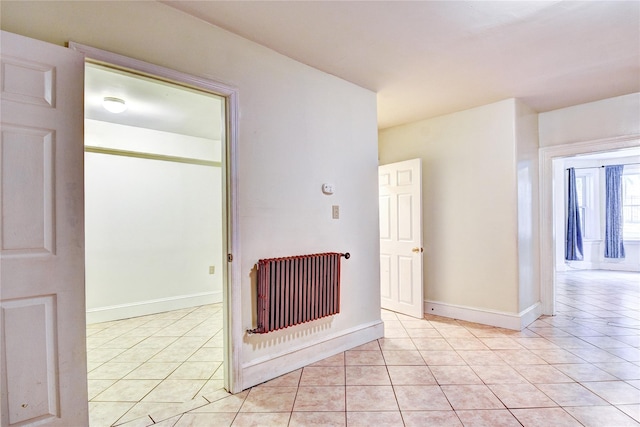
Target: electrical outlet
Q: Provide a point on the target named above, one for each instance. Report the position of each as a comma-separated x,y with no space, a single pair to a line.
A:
335,212
212,269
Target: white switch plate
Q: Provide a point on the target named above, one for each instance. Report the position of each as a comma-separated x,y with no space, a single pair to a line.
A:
335,212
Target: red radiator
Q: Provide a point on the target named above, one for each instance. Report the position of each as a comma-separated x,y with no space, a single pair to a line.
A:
297,289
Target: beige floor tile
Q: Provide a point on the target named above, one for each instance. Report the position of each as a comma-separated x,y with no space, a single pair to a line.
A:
208,354
270,399
471,343
136,354
601,416
403,357
156,342
103,354
489,418
442,357
195,370
273,419
308,419
95,387
623,371
175,391
127,391
213,390
471,397
320,398
632,410
521,396
615,392
363,358
571,394
411,375
378,419
431,419
395,333
292,379
455,375
520,357
602,351
205,420
423,333
387,344
230,403
542,374
421,398
153,371
584,372
336,360
371,398
501,343
367,375
536,417
481,357
498,375
107,413
370,346
431,344
558,355
322,375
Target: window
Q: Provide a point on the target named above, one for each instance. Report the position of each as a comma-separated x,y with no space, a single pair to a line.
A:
631,204
586,186
581,189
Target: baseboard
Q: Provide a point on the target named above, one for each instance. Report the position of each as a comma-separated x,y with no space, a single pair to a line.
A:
143,308
259,371
515,321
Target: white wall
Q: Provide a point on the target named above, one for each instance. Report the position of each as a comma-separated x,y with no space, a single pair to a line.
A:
298,128
474,175
152,227
528,206
593,121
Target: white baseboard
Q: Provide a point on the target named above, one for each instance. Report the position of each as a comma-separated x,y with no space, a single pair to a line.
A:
143,308
259,371
515,321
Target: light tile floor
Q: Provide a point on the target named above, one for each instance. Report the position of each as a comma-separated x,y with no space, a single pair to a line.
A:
578,368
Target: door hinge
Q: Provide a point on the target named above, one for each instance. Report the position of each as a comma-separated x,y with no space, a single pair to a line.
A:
229,257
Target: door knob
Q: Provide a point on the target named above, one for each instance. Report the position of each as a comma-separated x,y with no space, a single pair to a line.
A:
417,250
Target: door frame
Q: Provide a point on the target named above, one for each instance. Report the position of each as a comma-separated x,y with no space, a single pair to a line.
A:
231,282
547,226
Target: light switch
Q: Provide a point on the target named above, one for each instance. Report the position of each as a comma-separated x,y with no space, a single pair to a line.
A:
212,269
335,212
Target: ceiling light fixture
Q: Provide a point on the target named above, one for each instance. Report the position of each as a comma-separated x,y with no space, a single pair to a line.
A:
114,105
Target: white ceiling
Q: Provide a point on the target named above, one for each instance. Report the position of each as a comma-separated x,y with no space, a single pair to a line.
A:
428,58
152,104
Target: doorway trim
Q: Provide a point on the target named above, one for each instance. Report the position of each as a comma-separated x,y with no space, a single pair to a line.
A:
231,282
547,227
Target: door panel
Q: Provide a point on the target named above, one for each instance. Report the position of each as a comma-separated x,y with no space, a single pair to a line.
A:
400,186
42,307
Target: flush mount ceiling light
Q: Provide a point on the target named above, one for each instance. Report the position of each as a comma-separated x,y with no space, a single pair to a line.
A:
114,105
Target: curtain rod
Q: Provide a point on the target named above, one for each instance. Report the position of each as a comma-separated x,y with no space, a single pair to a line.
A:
604,166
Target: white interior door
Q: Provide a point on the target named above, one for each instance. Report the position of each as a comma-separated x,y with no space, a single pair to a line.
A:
42,322
401,286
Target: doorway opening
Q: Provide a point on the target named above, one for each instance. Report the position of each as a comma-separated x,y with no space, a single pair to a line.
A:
554,161
160,207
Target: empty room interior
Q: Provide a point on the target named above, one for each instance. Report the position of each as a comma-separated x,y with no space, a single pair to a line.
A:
327,213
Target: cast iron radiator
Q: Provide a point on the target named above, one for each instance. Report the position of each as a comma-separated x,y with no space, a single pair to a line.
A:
297,289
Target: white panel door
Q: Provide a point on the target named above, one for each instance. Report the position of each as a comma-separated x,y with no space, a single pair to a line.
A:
42,306
401,286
